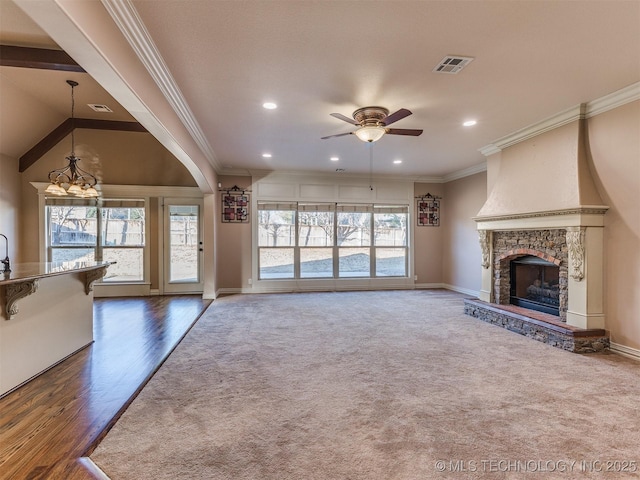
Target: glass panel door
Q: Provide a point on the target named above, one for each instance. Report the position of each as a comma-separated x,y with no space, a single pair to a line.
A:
183,247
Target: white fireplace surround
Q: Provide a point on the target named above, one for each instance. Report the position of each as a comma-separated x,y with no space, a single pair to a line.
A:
584,226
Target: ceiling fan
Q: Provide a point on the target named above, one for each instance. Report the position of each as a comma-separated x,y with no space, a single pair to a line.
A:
373,123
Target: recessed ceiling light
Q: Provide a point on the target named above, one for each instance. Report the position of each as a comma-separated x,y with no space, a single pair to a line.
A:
270,105
334,159
266,155
397,161
469,123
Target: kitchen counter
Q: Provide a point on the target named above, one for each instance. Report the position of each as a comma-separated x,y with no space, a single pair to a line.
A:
47,315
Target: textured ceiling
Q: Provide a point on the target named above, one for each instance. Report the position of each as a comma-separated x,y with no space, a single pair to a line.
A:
533,59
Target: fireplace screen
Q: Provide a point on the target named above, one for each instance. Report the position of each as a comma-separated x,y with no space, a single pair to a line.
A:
535,284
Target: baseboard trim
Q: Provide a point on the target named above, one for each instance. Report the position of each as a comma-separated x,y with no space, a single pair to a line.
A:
428,286
154,292
345,288
466,291
228,291
625,351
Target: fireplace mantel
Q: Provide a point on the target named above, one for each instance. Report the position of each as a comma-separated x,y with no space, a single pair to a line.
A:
584,216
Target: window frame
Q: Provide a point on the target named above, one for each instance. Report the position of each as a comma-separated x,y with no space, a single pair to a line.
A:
336,249
98,246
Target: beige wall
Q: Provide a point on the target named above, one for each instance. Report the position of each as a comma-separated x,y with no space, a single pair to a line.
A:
10,206
461,255
427,241
614,142
234,240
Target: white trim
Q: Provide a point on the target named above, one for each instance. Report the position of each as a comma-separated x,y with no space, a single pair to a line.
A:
613,100
42,229
467,172
428,286
586,216
595,107
489,150
128,21
466,291
154,292
164,244
90,466
567,116
258,174
625,351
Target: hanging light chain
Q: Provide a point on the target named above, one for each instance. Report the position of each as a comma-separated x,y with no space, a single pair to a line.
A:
79,182
73,105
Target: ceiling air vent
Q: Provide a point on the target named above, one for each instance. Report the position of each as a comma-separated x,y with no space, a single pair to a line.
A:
452,64
100,108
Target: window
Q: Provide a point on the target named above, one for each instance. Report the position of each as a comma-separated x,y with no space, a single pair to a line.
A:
315,239
353,234
390,234
276,239
114,230
331,241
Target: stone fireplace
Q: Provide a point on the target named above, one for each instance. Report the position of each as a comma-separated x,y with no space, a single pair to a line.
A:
535,284
530,270
544,219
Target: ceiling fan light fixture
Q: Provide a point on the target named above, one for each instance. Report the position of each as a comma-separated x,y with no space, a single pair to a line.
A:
370,134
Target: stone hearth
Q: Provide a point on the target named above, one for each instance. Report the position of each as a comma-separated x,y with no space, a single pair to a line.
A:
539,326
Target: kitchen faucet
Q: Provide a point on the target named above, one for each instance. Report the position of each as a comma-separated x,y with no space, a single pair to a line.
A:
5,262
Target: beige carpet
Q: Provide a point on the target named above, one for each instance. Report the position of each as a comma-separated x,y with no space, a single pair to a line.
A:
373,385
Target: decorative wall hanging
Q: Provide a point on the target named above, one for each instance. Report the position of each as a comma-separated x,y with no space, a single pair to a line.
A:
235,205
428,210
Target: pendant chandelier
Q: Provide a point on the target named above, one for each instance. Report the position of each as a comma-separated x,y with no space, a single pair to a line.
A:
72,180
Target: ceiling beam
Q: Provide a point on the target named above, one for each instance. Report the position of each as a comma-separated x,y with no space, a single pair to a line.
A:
28,57
65,128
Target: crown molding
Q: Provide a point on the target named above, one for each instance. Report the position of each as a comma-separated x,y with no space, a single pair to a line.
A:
259,174
467,172
481,167
595,107
567,116
130,24
489,150
613,100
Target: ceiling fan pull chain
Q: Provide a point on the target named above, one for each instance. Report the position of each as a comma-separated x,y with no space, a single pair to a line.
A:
371,166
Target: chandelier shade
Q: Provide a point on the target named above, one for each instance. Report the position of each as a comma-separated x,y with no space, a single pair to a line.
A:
72,180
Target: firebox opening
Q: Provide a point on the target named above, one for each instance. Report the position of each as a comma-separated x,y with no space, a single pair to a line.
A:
535,284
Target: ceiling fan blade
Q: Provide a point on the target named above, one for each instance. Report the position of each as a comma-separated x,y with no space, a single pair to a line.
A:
394,117
338,135
344,118
403,131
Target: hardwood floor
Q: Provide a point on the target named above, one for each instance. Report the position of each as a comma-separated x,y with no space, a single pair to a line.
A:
47,425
